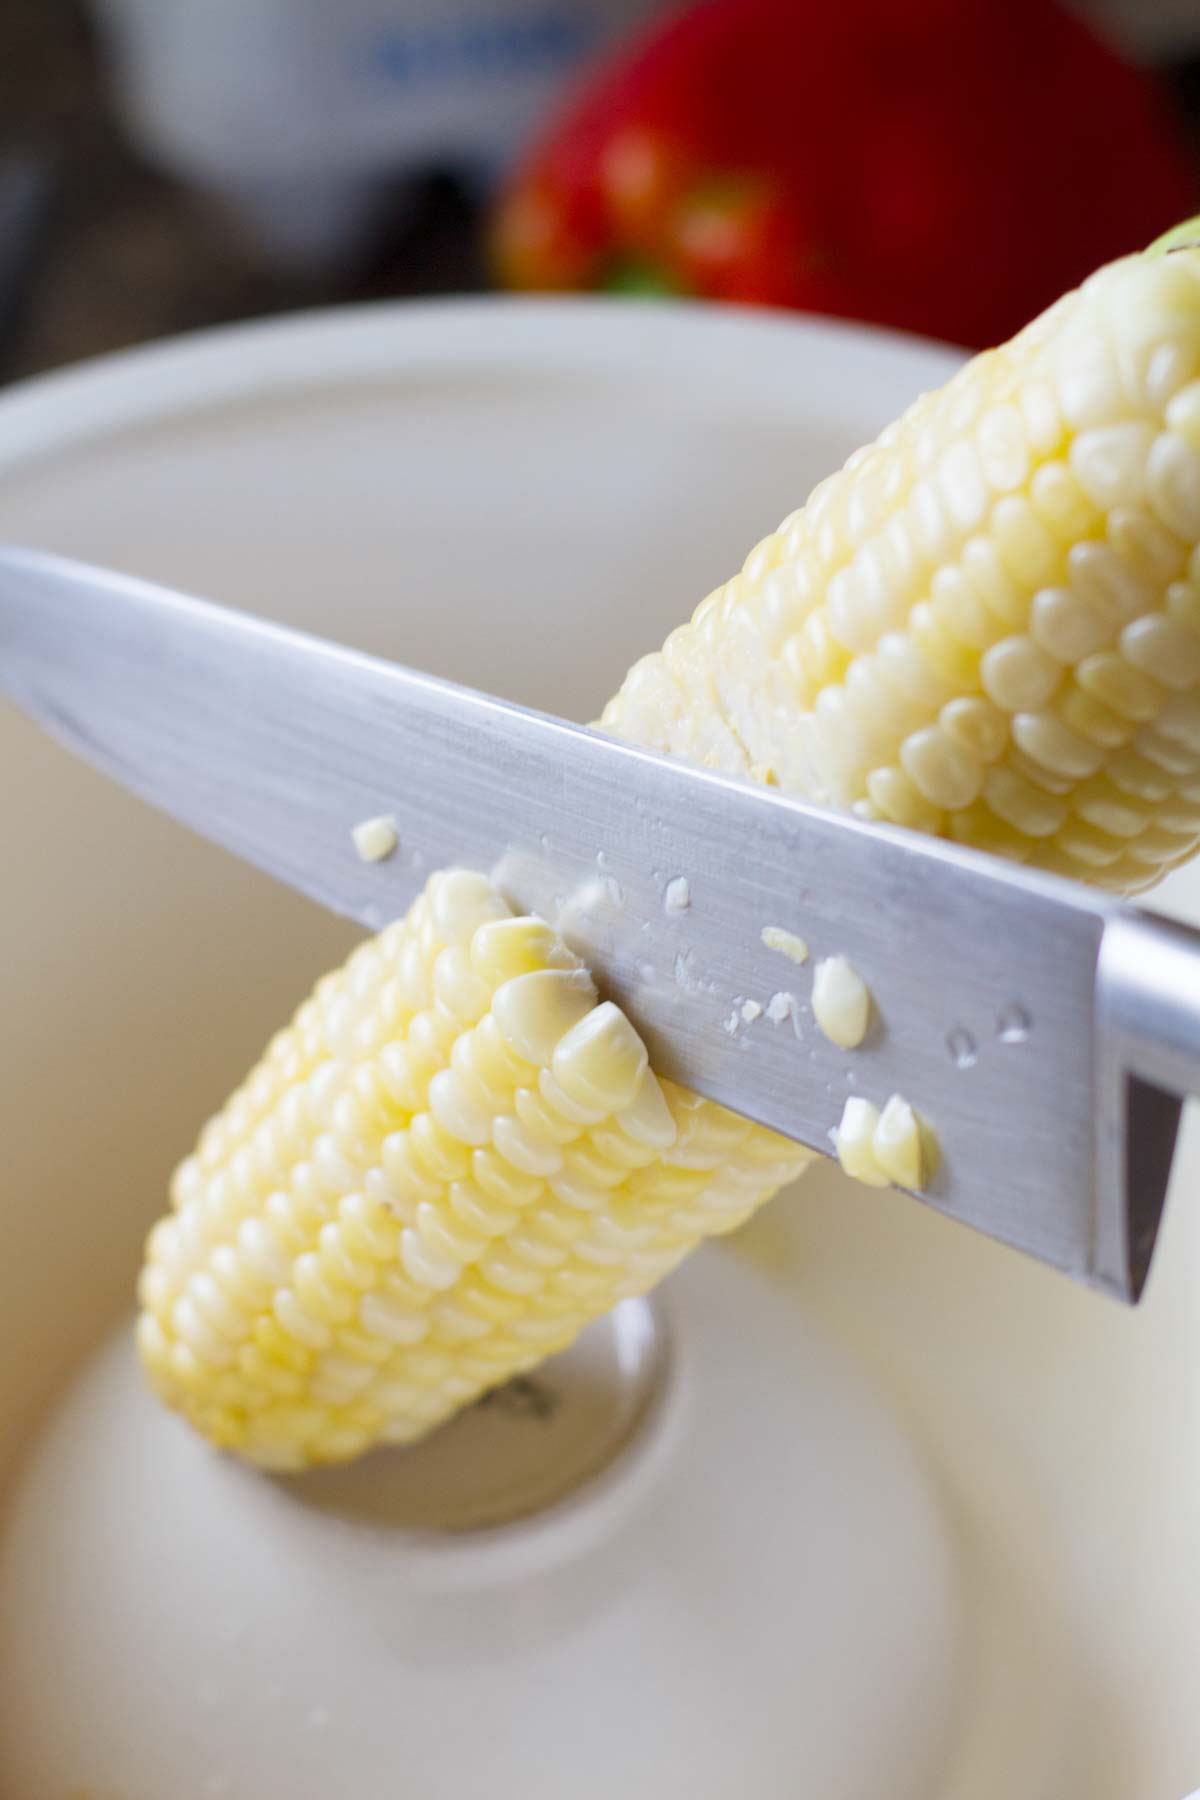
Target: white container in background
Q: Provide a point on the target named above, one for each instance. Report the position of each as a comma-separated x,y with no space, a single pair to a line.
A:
295,111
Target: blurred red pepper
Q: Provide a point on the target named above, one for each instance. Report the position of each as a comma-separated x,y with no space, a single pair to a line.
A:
944,166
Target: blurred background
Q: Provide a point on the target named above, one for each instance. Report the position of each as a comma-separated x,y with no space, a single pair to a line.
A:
945,166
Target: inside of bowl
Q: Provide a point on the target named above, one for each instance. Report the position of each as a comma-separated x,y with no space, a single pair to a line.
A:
527,499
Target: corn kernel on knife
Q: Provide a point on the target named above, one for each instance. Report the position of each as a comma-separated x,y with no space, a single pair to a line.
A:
1045,1031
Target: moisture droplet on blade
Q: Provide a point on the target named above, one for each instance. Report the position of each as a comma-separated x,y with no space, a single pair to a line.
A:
964,1052
1013,1024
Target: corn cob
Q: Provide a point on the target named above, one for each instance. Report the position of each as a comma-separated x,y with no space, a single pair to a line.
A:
986,626
454,1157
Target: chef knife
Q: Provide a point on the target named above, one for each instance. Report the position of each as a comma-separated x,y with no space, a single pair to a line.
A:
1042,1029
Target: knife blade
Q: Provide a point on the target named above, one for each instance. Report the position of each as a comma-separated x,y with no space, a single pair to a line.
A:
1015,1011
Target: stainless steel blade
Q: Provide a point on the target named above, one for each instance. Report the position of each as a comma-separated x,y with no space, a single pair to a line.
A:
985,979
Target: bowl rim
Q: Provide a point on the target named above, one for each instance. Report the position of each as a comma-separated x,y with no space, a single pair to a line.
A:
456,337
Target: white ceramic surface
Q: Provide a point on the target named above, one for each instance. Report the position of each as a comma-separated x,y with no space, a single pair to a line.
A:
527,497
298,115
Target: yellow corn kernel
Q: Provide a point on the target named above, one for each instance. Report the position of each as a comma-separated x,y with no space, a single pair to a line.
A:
841,1002
855,1143
881,1149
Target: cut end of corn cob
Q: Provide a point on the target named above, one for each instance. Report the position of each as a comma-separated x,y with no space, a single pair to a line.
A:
987,626
454,1157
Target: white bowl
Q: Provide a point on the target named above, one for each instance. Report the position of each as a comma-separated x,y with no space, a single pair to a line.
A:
527,496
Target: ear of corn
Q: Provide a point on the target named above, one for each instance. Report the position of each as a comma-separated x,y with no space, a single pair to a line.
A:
454,1157
986,626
